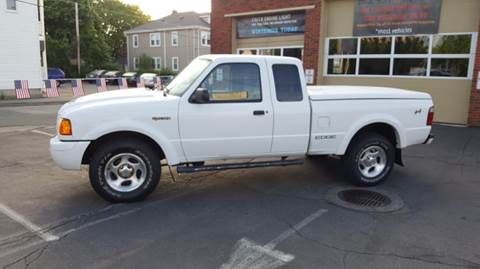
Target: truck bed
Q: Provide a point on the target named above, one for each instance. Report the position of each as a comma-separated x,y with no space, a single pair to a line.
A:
353,92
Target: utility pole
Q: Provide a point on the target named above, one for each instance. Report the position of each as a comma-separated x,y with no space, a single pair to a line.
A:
77,28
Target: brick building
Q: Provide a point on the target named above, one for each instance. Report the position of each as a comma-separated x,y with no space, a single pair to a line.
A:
436,51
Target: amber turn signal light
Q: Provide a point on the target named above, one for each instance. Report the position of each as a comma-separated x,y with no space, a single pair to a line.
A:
65,127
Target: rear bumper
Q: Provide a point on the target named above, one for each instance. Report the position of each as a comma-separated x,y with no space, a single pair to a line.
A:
68,155
429,139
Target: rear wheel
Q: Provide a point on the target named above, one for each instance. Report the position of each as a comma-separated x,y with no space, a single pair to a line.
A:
369,159
125,171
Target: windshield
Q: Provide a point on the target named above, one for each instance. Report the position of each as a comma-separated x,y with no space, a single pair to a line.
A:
181,83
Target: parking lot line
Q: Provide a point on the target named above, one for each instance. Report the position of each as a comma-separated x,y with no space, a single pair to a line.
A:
249,254
47,237
89,224
42,133
297,227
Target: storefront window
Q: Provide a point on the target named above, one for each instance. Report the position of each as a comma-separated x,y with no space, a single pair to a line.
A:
374,67
442,55
290,52
449,68
345,66
411,44
451,44
293,52
375,45
247,52
342,46
410,67
275,52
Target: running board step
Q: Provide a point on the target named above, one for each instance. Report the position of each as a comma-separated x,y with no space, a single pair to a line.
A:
228,166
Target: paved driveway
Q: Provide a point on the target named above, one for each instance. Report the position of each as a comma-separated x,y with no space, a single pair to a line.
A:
260,218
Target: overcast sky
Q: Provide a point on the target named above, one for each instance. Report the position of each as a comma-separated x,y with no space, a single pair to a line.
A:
160,8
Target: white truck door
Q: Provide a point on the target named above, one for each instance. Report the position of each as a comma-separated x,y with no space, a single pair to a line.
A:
236,120
291,108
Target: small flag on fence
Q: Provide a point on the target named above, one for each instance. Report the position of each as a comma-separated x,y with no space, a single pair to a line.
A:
101,85
157,82
77,87
122,83
51,88
21,89
140,83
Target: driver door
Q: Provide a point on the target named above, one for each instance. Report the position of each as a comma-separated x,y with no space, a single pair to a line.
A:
235,120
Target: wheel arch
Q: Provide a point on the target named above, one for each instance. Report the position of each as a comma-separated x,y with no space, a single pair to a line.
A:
118,136
388,130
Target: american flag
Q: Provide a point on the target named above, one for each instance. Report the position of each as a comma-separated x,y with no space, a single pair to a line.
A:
51,88
122,83
140,83
21,89
77,87
101,85
157,82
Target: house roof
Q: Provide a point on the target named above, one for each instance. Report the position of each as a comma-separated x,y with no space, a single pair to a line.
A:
173,21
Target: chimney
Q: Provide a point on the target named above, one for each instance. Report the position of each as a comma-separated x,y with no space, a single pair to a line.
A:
174,12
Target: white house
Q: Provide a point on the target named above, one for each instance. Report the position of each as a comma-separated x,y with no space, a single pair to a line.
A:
22,43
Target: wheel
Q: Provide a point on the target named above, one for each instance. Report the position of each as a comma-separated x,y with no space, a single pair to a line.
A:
125,171
369,159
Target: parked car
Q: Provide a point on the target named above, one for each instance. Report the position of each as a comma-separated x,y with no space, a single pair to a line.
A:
56,73
148,80
236,106
166,79
111,77
132,79
98,73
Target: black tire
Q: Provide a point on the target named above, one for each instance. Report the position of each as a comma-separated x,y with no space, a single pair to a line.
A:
137,148
357,148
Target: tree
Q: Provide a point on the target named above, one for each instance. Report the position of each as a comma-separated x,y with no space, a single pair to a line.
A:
117,18
102,23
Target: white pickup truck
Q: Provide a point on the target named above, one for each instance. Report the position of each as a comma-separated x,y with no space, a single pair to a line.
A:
224,107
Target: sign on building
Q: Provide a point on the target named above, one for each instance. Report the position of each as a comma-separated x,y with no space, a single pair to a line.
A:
271,25
396,17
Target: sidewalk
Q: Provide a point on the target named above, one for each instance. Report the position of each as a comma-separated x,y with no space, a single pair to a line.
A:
37,100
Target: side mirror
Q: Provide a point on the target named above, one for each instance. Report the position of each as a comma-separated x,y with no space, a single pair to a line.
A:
200,96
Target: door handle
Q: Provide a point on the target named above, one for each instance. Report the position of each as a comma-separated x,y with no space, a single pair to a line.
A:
258,112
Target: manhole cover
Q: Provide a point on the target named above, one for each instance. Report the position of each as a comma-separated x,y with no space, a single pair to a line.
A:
372,199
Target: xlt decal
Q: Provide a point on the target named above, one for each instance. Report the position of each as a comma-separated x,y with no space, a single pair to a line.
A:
322,137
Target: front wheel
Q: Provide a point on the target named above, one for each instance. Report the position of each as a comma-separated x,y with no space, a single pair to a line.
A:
125,171
369,159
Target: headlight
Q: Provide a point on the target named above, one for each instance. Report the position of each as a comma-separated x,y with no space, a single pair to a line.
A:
65,127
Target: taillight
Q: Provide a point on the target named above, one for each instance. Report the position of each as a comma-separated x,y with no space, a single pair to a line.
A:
431,111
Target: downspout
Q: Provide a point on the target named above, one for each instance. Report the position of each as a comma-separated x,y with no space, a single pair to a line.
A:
164,50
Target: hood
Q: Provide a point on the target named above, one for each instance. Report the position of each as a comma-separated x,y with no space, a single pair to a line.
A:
112,97
362,92
116,95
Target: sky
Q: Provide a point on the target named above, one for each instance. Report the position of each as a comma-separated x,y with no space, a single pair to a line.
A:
160,8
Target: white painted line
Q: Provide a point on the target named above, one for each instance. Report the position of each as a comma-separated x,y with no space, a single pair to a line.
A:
89,224
248,254
297,227
42,133
23,247
27,224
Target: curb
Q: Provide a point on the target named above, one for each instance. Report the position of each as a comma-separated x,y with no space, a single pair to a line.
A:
46,103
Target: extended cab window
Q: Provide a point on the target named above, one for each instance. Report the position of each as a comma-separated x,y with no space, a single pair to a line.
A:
235,82
287,83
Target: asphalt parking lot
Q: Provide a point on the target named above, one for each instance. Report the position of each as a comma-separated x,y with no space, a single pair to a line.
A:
259,218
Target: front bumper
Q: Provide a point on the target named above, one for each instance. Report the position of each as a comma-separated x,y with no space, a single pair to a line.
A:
429,139
68,155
